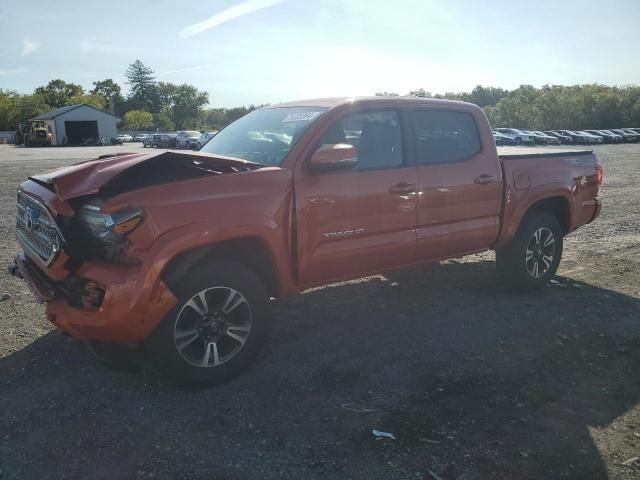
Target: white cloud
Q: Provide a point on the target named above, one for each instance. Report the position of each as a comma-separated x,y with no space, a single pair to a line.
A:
244,8
92,46
12,71
187,69
29,46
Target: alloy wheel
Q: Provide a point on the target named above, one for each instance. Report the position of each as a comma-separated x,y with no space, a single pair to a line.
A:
212,326
540,252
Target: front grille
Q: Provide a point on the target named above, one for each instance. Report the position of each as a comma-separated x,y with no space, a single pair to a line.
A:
36,230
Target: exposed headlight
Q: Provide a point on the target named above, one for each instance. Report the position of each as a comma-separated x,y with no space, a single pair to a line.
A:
110,228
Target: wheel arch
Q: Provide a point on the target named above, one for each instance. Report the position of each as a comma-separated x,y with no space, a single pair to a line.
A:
252,252
558,206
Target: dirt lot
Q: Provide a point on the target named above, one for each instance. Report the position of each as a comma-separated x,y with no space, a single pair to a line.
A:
474,383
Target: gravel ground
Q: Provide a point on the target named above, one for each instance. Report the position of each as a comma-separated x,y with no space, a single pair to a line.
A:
474,383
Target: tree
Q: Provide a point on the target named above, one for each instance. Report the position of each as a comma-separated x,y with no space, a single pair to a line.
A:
387,94
90,99
138,120
419,93
110,90
16,108
142,86
181,103
161,121
106,88
58,92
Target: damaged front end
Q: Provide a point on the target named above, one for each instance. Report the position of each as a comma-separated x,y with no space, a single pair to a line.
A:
79,255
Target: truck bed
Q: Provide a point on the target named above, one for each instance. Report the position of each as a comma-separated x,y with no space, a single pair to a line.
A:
538,152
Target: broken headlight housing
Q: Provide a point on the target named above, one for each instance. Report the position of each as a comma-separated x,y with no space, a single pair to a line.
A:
109,228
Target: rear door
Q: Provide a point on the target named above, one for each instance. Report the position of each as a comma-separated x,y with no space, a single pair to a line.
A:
460,183
363,220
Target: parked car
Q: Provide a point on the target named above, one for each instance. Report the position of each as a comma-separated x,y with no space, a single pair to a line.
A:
628,137
564,139
537,139
188,139
617,138
502,139
166,140
181,251
140,137
518,136
125,137
593,138
577,137
151,140
609,137
631,131
549,139
206,136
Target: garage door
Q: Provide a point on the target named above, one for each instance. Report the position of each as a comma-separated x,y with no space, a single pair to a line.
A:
79,132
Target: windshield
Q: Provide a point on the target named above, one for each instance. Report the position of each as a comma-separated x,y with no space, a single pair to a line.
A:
264,136
192,134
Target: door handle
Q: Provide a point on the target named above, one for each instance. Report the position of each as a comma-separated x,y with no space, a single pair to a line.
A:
485,179
402,188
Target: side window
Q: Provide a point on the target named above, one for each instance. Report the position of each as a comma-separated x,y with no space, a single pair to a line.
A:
444,137
375,134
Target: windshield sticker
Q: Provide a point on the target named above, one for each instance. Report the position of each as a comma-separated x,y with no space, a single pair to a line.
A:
300,117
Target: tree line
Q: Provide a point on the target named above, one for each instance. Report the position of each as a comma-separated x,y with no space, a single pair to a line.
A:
575,107
148,105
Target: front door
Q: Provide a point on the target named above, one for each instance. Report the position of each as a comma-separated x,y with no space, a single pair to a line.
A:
360,221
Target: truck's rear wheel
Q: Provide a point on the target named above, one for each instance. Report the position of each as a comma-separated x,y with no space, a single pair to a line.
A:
217,328
532,257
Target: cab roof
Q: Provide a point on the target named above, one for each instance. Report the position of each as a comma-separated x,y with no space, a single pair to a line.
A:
333,102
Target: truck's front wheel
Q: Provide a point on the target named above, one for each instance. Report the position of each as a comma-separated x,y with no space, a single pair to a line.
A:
217,328
530,260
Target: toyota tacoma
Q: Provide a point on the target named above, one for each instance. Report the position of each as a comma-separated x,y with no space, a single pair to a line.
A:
177,254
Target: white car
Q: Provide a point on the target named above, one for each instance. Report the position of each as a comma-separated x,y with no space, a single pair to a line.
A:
188,139
206,136
140,137
518,136
125,138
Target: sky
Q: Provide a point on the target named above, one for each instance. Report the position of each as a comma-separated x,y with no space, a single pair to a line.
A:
267,51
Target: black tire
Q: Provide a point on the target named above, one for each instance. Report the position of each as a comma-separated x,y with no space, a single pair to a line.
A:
512,263
518,141
162,346
124,358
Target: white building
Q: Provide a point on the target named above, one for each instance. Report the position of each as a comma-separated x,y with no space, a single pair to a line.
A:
74,124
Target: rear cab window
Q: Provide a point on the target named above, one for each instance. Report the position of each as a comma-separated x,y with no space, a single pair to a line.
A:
443,137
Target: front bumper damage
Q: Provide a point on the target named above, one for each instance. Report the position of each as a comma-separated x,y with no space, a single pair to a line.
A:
133,302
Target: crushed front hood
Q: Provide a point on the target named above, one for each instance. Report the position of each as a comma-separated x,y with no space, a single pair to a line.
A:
87,178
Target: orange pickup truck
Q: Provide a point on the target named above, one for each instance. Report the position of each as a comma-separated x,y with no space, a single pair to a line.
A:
178,254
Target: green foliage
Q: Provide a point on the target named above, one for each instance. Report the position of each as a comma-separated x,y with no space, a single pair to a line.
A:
419,93
88,98
108,89
218,118
168,106
58,92
15,108
142,86
138,120
575,107
181,103
162,122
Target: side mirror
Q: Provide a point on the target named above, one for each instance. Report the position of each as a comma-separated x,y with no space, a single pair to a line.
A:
338,156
